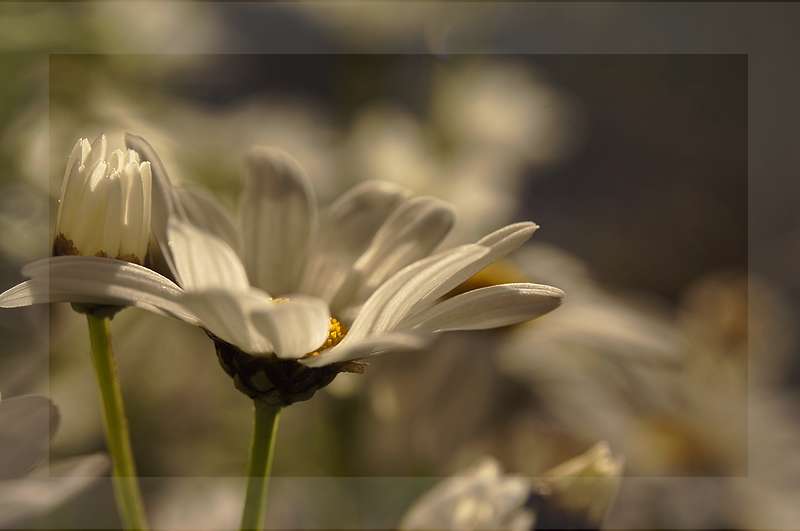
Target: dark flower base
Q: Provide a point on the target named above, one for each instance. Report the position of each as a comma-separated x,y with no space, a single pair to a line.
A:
274,381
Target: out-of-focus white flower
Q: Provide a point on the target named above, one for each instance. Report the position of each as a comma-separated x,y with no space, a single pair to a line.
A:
502,108
104,208
479,498
388,143
370,258
574,495
589,361
27,423
578,493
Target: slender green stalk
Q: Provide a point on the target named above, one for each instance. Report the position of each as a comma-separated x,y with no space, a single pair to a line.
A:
126,487
262,450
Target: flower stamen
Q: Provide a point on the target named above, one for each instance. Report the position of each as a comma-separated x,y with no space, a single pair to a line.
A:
336,332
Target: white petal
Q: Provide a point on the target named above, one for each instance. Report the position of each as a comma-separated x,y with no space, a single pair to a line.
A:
421,284
203,210
146,182
132,211
86,231
96,280
165,204
70,186
489,307
392,301
412,232
510,237
365,348
227,314
346,229
203,261
500,243
113,225
278,220
48,488
27,425
295,327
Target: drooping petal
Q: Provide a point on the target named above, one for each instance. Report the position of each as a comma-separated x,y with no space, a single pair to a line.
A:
489,307
27,423
412,232
87,279
227,314
203,261
203,210
296,326
279,219
346,229
365,348
46,489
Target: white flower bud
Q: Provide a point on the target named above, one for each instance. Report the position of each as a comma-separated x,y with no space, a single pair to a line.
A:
104,209
578,493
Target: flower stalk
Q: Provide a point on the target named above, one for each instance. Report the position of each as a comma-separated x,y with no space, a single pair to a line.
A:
262,451
126,487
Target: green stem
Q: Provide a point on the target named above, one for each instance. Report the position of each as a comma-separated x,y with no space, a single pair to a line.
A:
262,450
126,487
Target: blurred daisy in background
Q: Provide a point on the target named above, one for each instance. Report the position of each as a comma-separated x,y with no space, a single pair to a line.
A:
576,494
26,492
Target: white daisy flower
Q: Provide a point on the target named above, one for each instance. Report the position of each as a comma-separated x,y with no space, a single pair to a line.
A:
265,291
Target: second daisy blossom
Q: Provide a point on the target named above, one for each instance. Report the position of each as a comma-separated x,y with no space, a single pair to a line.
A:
265,289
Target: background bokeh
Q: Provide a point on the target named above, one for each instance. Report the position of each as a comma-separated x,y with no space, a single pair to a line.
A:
635,166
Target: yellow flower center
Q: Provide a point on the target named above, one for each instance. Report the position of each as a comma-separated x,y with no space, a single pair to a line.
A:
336,332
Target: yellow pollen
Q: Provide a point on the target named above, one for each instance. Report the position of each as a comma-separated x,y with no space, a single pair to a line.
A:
336,332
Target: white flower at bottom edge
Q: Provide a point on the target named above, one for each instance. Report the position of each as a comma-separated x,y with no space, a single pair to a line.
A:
28,422
370,260
481,497
574,495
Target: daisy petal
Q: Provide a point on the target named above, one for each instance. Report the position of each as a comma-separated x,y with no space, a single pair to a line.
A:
500,243
203,261
412,232
85,279
29,422
512,236
165,203
296,327
278,220
373,346
227,315
489,307
204,211
391,302
346,230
